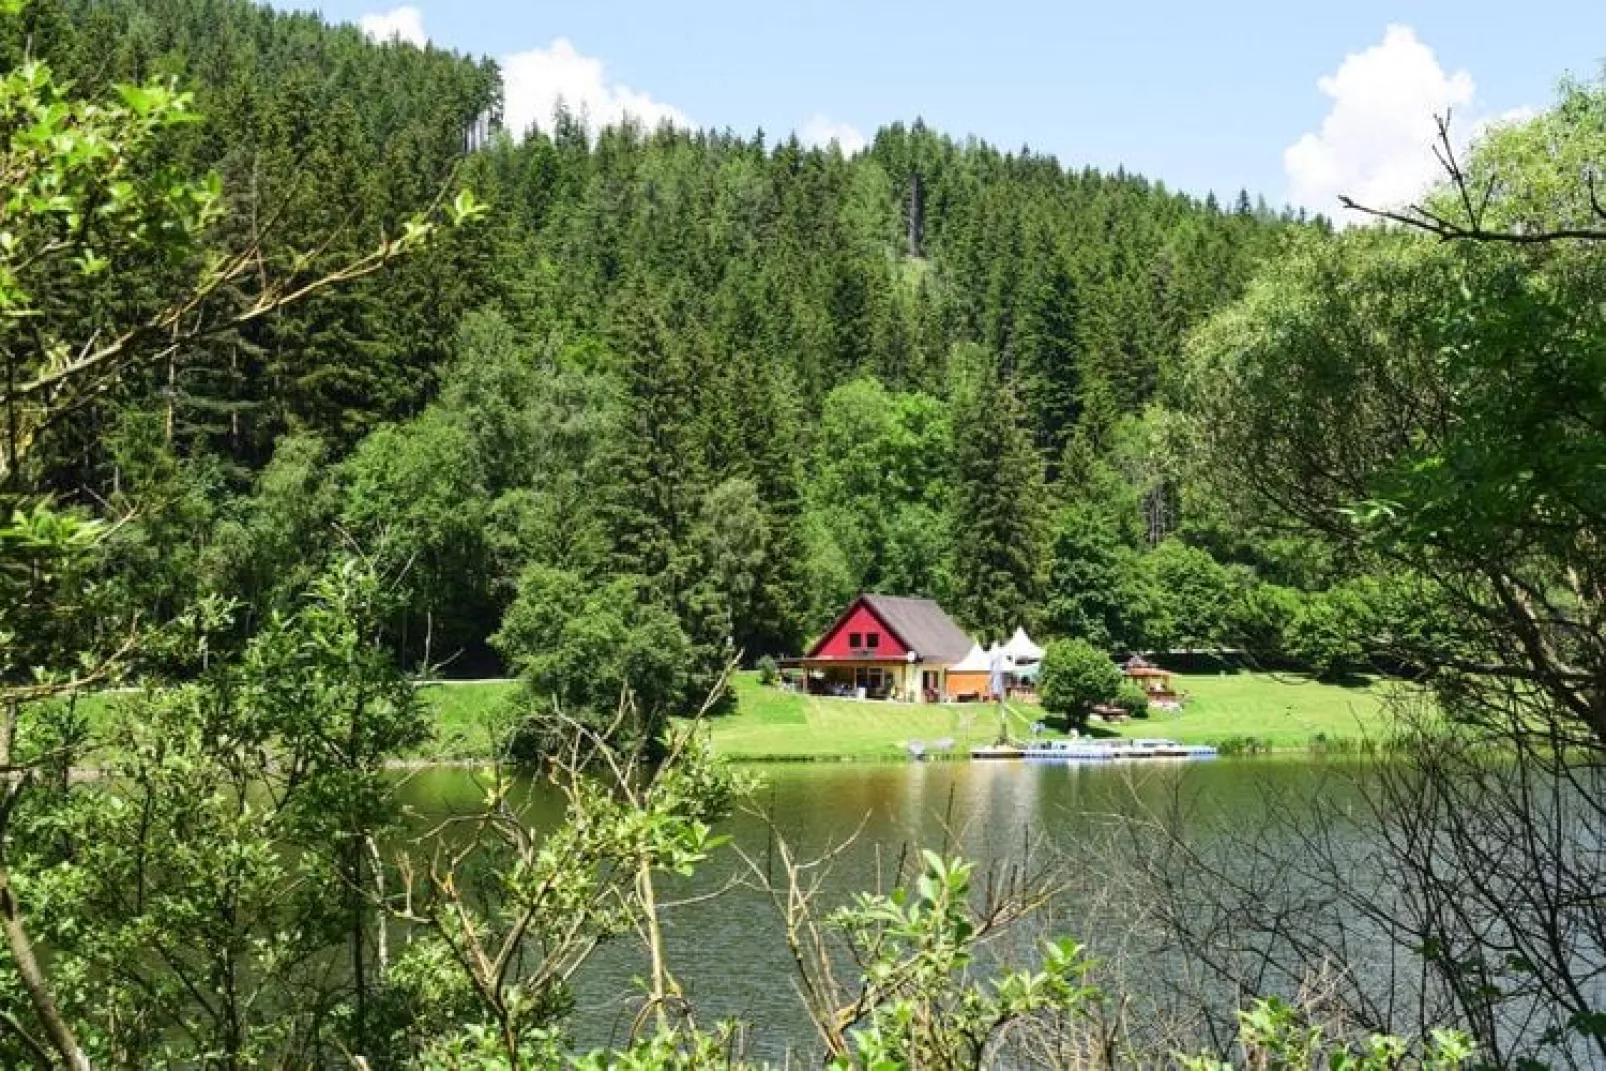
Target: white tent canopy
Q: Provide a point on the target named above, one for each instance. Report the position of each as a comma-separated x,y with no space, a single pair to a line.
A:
974,662
1021,648
999,660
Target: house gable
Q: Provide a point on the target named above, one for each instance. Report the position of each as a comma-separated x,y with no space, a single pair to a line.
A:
860,633
923,627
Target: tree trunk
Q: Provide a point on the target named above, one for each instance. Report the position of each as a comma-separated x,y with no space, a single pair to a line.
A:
17,940
33,979
917,217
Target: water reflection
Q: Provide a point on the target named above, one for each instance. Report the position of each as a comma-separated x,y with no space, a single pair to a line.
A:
730,951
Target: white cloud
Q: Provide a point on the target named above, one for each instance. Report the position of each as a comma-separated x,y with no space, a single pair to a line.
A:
1376,144
1511,115
401,24
821,130
534,82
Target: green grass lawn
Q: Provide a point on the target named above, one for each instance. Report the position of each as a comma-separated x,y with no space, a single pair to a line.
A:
772,724
465,717
1279,712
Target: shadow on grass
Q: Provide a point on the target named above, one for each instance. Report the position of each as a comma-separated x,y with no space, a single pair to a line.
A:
1211,663
1060,724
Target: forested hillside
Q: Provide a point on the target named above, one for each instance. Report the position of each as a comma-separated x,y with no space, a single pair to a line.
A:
691,388
320,140
309,387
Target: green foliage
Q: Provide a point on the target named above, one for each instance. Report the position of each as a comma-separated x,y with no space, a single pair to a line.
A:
876,499
1242,745
672,1049
119,245
1100,589
919,1007
1075,676
678,396
1277,1037
1132,699
589,651
232,854
1419,405
84,192
1330,630
560,891
641,328
768,671
651,502
1197,591
995,508
1084,579
259,548
47,633
415,496
1431,411
250,892
1261,616
733,536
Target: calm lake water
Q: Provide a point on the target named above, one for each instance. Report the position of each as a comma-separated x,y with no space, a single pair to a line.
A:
729,951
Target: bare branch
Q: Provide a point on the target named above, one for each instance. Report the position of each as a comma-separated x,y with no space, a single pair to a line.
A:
1420,218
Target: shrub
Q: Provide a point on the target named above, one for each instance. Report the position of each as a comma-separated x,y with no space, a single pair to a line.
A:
1075,676
768,671
1322,744
1242,745
1273,1033
1132,699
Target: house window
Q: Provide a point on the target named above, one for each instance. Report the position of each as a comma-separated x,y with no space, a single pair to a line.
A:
873,640
855,640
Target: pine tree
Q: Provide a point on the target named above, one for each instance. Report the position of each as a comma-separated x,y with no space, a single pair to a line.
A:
996,507
1046,347
653,479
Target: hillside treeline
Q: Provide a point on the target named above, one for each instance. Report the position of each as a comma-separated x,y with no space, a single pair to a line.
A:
689,387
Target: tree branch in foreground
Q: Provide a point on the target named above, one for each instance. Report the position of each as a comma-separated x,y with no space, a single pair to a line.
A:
1475,203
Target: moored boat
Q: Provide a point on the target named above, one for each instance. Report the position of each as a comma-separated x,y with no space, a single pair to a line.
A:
1072,750
1170,749
1111,750
1094,750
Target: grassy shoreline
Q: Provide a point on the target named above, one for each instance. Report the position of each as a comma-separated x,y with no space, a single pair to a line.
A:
1239,712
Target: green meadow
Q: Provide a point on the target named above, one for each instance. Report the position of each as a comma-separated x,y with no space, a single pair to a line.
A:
1242,710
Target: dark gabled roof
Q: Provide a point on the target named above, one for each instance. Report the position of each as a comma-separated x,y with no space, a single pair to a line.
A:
922,626
919,624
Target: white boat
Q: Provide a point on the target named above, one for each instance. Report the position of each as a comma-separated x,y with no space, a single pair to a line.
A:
1108,751
1170,749
1072,750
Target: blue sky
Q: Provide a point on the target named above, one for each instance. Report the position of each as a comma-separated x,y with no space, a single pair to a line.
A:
1204,96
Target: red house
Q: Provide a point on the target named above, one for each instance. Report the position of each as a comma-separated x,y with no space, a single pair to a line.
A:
885,647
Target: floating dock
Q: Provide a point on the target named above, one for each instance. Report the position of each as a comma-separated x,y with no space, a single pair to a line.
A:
1095,750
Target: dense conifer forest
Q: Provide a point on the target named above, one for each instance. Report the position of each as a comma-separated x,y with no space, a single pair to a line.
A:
739,378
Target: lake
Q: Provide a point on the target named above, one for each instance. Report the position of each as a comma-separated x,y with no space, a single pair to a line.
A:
729,951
